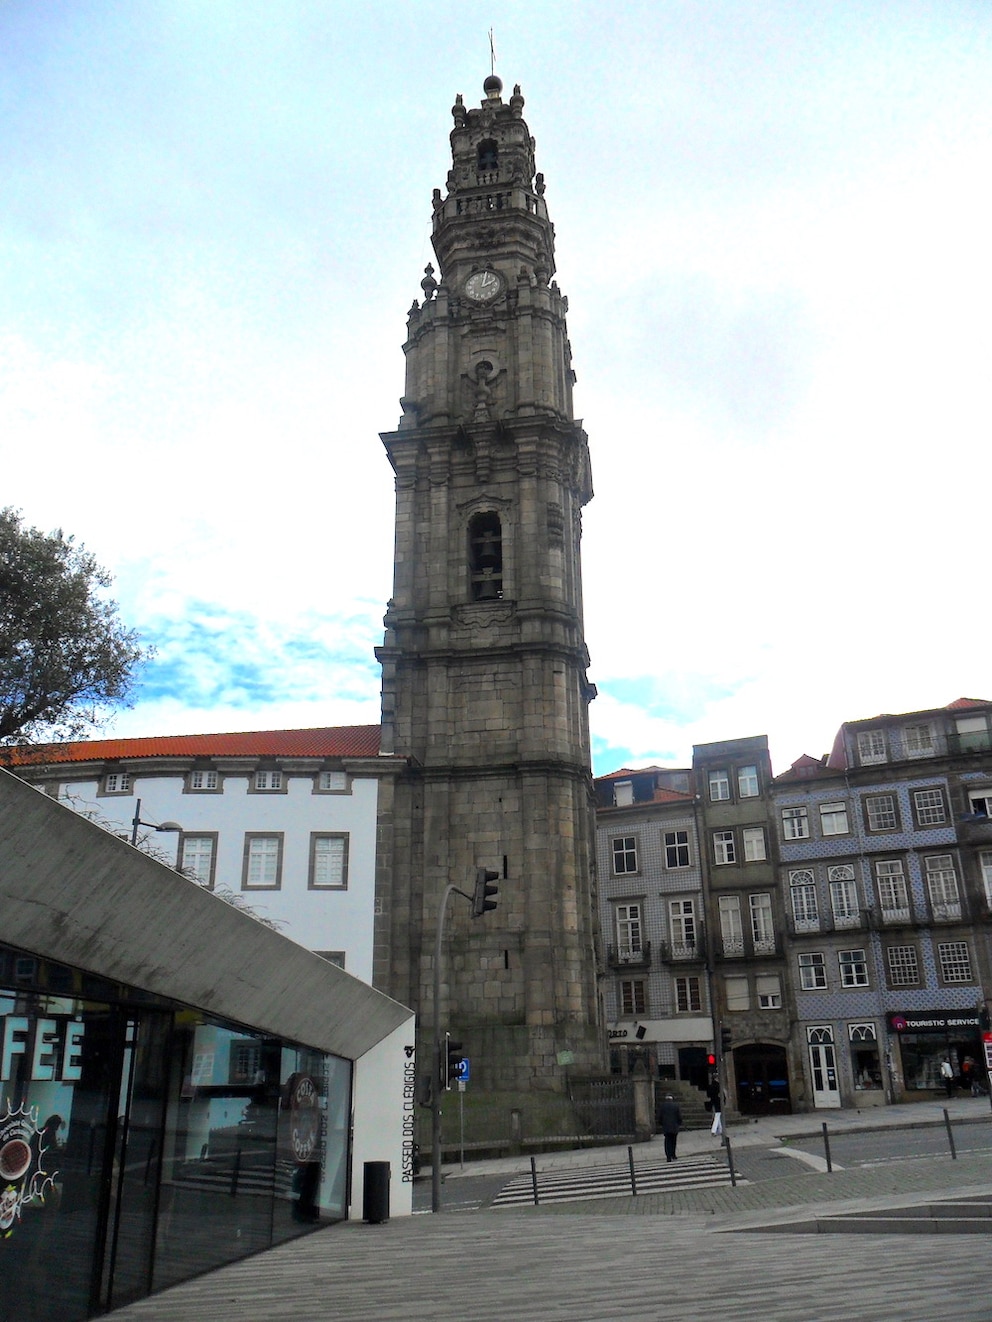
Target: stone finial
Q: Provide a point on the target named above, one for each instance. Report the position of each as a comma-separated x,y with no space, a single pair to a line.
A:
458,111
539,184
516,101
428,284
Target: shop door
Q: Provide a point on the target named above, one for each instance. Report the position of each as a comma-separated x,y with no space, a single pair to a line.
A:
762,1080
823,1069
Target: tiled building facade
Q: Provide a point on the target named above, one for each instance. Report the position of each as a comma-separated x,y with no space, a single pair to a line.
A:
844,912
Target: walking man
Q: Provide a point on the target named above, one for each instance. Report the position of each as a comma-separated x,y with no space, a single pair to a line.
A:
670,1120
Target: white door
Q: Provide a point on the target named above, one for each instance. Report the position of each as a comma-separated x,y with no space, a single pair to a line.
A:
823,1071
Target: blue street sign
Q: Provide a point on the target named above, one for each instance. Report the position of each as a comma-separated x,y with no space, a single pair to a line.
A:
464,1072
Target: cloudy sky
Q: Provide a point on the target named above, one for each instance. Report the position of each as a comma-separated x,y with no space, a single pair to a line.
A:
773,225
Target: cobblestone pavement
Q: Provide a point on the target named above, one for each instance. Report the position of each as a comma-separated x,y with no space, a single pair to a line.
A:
654,1258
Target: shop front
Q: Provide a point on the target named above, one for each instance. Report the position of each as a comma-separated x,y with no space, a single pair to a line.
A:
923,1040
142,1142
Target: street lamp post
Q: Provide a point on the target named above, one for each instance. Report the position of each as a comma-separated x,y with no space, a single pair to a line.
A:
153,826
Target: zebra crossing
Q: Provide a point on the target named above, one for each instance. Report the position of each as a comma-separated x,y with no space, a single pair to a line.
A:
614,1180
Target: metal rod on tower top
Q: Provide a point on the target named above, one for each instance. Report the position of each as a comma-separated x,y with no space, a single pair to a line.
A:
492,53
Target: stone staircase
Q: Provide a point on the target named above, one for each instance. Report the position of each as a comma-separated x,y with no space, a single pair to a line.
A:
692,1102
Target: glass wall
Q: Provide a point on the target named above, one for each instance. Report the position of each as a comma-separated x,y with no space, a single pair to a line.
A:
142,1142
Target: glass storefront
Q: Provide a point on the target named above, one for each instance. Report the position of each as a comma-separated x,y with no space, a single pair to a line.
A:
142,1142
925,1040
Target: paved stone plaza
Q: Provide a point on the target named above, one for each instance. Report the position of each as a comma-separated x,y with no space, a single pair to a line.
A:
695,1255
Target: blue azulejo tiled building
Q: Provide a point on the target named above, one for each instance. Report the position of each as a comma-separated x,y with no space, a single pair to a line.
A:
885,853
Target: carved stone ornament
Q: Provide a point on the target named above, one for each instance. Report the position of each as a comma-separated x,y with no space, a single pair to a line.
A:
483,615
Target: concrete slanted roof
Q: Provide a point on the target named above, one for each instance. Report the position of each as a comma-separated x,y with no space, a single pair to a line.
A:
73,893
326,741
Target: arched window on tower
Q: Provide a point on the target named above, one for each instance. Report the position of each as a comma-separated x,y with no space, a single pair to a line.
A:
485,550
488,156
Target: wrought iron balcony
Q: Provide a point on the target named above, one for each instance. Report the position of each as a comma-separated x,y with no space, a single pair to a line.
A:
675,951
629,957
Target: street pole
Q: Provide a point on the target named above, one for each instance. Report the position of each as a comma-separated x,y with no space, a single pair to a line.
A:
436,1056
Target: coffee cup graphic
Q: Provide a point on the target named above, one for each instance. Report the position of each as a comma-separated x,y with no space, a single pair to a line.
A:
15,1158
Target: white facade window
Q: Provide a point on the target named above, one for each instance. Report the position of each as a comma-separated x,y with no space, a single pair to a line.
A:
833,819
754,843
197,858
980,802
682,916
795,823
955,962
762,932
769,991
853,968
719,786
942,883
262,862
929,807
844,903
881,812
624,855
117,782
202,780
917,740
972,734
871,747
738,994
747,782
677,849
333,782
623,793
802,889
329,862
724,849
812,972
633,997
904,966
731,930
893,896
985,863
688,997
628,918
268,780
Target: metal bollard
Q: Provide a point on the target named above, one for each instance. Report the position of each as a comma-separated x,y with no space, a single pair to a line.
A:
826,1148
533,1177
730,1161
633,1177
950,1135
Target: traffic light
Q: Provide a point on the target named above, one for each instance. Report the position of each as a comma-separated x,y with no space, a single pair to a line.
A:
711,1061
452,1062
726,1040
484,888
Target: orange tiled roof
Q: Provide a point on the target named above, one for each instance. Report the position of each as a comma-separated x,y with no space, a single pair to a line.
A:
327,741
967,702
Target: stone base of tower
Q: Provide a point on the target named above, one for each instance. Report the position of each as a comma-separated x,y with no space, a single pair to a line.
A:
517,1058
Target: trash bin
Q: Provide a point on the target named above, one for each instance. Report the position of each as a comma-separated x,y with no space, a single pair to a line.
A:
375,1200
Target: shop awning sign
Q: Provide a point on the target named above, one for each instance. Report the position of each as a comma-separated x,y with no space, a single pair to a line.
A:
920,1022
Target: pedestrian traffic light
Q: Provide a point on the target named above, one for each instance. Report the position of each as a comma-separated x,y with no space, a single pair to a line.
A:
454,1061
726,1040
711,1061
484,888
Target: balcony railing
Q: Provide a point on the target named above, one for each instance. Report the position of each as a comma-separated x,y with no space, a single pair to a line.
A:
947,913
738,948
682,950
629,957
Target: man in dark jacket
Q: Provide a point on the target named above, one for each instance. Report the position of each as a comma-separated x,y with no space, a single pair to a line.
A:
670,1122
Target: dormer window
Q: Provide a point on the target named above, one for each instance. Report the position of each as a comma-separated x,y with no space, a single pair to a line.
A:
268,781
485,542
488,156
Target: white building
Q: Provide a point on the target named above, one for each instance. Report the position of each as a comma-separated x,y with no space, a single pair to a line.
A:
284,820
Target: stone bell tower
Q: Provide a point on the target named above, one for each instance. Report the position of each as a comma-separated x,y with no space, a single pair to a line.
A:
484,686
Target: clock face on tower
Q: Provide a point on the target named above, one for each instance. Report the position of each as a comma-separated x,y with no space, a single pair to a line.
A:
483,286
